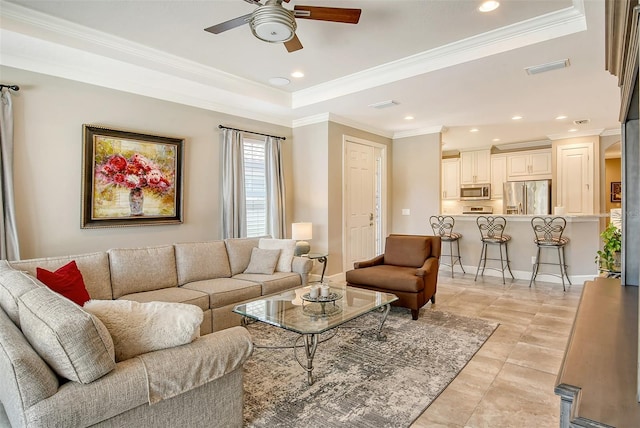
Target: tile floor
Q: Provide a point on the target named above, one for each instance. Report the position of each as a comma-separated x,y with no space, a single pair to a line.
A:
510,381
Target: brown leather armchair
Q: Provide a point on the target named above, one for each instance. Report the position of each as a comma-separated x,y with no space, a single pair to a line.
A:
408,269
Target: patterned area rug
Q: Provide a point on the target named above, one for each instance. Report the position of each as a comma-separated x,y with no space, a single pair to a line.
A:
360,381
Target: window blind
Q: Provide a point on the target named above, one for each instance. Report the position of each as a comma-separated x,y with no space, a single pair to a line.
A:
255,187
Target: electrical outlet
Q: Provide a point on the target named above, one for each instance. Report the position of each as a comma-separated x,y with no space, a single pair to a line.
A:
533,260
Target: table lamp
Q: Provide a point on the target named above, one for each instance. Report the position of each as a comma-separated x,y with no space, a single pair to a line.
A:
301,232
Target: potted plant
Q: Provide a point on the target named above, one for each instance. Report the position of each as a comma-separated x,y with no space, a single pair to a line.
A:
609,257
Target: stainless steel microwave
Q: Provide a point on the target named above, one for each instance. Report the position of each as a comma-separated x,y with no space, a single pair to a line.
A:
475,192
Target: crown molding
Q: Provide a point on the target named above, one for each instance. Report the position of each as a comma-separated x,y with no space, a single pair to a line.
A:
542,28
585,133
420,131
330,117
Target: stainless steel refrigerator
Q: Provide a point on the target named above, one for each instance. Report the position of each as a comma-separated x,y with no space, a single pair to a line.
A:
527,197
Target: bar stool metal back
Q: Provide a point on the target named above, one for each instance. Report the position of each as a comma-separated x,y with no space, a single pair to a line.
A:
492,233
442,226
548,234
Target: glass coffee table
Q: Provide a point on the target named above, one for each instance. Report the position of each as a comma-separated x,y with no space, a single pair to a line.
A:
296,311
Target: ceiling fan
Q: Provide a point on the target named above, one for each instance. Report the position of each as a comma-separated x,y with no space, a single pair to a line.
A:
273,23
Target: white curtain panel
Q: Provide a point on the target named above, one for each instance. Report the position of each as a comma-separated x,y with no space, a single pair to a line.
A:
234,223
9,248
276,226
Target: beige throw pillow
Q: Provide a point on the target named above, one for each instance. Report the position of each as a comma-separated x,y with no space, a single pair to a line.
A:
138,328
75,344
263,261
287,249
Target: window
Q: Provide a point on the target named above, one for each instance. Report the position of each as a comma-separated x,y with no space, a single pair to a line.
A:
255,187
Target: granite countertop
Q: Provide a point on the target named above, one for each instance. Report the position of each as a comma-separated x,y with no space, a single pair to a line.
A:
528,217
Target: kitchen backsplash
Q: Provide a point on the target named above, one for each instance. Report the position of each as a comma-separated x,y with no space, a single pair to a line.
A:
456,207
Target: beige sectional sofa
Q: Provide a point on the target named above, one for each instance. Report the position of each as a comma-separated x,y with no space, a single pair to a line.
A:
209,275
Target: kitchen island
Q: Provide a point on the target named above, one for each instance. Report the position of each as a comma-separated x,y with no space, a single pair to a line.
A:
583,232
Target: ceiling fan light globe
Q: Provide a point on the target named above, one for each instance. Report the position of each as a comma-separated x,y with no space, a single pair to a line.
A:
273,32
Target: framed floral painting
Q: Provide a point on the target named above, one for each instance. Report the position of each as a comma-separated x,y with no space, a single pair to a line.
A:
130,179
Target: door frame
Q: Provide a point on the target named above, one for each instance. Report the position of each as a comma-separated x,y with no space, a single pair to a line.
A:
380,187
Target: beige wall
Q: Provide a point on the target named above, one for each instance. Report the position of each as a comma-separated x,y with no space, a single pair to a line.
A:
318,185
48,117
416,183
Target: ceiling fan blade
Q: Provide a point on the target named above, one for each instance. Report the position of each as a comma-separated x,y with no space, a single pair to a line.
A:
334,14
228,25
293,44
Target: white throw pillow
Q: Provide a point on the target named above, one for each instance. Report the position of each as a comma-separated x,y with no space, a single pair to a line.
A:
263,261
287,249
137,328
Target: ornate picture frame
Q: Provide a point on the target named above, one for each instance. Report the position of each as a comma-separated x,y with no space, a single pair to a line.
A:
616,191
130,179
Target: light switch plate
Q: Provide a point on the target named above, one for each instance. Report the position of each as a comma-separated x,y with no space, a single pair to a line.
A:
406,211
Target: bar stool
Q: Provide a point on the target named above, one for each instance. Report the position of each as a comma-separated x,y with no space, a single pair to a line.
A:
492,233
548,234
443,227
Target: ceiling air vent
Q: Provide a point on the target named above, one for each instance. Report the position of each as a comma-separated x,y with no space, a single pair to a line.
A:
384,104
536,69
581,122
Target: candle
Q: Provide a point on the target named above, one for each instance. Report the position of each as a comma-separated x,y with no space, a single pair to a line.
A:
313,292
324,290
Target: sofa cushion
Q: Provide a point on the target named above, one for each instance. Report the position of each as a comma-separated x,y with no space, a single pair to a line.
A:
66,281
172,295
239,252
406,250
94,268
225,291
25,378
14,284
74,343
287,249
142,269
137,328
262,261
196,261
275,283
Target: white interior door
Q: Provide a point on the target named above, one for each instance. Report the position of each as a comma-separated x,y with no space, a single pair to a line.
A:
363,200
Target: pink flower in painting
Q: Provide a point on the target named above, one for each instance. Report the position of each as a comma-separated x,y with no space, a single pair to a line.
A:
135,172
118,162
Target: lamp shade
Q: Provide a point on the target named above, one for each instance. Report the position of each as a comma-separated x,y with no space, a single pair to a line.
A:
301,231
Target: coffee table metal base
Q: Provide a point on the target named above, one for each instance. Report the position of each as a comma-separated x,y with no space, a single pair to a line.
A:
311,344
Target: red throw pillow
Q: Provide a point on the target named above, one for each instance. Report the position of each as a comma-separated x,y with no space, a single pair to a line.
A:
66,281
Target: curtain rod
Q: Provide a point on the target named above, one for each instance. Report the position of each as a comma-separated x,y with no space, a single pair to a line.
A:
12,87
251,132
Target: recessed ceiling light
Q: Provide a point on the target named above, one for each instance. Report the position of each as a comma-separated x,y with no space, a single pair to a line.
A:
516,117
573,130
408,118
561,117
279,81
474,130
495,140
488,6
297,74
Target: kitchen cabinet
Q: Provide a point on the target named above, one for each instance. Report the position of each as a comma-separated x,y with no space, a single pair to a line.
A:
529,165
450,178
498,175
475,167
574,174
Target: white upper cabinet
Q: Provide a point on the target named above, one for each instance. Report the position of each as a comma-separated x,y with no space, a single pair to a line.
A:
498,175
475,167
529,165
451,178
